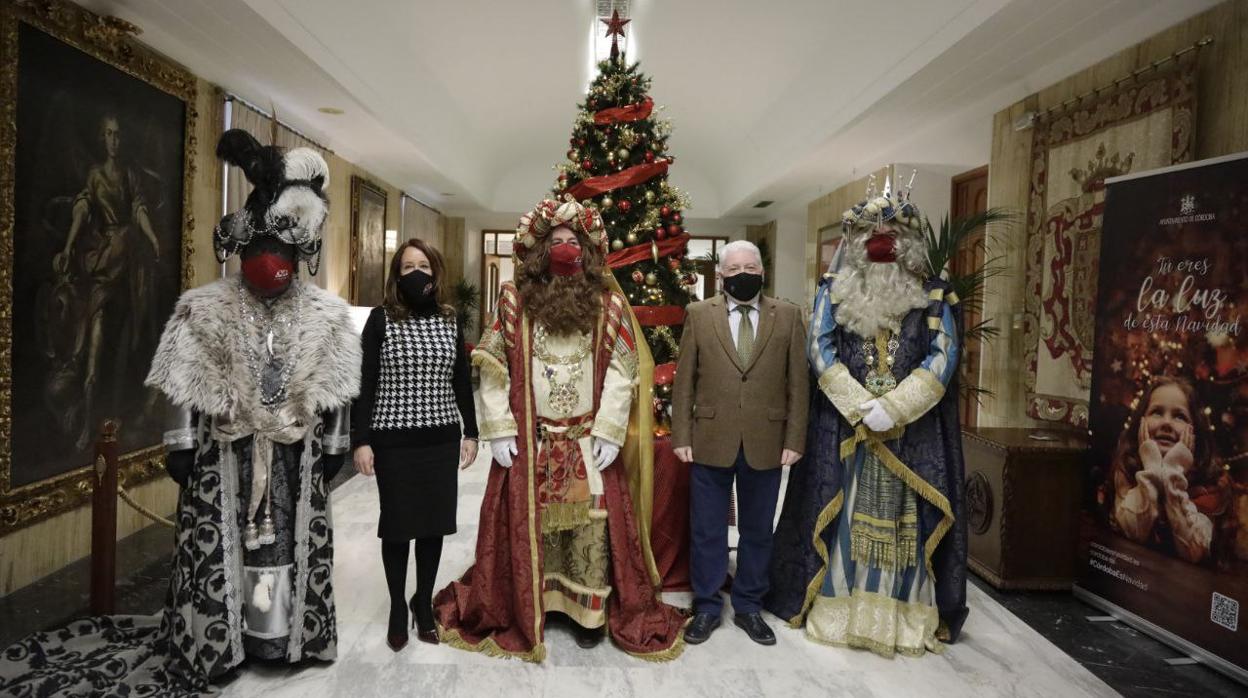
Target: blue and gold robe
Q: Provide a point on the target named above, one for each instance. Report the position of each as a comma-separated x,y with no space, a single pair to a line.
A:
870,550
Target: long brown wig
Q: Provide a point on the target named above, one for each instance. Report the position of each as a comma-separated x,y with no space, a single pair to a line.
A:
563,304
396,307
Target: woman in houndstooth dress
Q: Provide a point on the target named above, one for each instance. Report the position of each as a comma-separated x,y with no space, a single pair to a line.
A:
415,390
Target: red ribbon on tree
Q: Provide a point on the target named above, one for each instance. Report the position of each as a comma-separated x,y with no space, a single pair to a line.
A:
625,114
656,315
664,374
626,178
636,253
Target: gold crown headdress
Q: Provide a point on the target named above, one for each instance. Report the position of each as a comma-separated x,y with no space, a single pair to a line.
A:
887,207
550,214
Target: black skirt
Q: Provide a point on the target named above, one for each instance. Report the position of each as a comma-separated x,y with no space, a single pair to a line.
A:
418,488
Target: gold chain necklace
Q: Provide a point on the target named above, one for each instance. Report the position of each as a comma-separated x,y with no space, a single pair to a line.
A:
880,379
565,394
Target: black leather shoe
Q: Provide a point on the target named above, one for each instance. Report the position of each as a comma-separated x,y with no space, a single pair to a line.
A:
396,632
754,626
587,638
700,628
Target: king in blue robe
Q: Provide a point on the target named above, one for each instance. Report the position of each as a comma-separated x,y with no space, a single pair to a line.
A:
870,549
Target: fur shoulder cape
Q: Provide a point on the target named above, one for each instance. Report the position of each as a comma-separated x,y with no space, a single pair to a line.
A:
200,364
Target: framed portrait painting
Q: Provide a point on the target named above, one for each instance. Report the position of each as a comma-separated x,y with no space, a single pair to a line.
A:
96,161
368,242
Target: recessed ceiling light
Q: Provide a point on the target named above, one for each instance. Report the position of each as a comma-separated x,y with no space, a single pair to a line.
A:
763,204
335,111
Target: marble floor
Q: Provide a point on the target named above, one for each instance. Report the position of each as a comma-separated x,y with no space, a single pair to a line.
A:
999,655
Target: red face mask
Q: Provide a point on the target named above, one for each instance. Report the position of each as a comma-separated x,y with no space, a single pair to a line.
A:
268,274
565,259
882,248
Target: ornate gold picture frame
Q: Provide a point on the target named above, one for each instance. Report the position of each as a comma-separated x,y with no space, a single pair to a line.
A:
368,242
145,248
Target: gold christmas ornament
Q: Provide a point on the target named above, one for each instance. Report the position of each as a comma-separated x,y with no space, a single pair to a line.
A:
652,279
654,251
631,237
650,196
617,245
607,202
622,153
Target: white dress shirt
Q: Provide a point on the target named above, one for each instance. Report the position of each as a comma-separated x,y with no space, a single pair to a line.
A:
734,317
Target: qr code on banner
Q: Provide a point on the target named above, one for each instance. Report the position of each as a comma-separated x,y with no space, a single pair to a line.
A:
1225,611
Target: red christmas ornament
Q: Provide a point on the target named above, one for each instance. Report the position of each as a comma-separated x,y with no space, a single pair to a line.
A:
638,277
580,142
665,211
660,233
586,164
676,217
673,230
673,263
572,140
649,156
624,205
591,104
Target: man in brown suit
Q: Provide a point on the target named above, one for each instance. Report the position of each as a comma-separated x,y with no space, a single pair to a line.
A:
738,412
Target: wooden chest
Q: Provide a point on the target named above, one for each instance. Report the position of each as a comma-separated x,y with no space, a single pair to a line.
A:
1022,502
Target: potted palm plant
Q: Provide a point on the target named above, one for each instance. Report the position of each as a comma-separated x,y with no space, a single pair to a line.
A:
943,248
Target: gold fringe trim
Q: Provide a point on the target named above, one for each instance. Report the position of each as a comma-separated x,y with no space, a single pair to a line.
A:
880,553
564,516
923,488
487,362
489,647
666,655
829,513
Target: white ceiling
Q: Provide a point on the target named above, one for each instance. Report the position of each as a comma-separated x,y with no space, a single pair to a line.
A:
467,104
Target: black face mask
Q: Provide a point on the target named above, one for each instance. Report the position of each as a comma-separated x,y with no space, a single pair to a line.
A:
417,289
744,286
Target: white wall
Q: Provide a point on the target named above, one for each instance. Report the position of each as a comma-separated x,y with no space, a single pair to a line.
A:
790,260
933,188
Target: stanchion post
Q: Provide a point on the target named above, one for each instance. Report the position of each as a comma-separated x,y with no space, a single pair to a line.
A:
104,522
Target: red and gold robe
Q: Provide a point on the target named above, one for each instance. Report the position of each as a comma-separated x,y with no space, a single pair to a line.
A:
552,500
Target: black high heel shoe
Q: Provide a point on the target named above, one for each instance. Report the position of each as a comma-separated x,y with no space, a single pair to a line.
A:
396,633
424,634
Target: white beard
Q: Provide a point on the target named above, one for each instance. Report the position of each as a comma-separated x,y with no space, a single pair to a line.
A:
874,296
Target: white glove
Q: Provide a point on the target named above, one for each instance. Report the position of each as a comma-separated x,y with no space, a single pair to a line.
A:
605,453
503,449
875,416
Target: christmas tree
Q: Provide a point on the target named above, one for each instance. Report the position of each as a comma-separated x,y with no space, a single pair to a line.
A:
618,162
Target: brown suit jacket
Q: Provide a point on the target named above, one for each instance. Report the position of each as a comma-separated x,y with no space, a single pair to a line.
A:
719,406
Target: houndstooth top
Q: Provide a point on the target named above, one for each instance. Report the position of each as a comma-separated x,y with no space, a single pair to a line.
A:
415,382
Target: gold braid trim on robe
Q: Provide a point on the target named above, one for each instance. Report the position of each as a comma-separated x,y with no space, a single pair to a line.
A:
637,455
875,442
826,517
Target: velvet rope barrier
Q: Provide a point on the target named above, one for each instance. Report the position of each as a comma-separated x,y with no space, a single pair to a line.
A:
625,114
625,178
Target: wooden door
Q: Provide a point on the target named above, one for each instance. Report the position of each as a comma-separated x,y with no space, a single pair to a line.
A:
970,196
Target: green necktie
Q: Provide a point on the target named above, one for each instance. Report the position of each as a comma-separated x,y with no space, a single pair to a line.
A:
745,334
